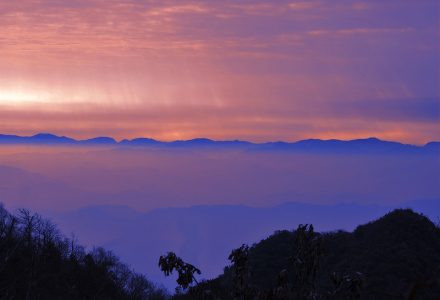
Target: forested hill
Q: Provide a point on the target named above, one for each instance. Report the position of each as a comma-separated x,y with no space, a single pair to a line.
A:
389,255
379,260
38,262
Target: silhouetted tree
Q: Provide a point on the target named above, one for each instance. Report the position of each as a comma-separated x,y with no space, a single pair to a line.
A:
186,271
307,260
38,262
241,272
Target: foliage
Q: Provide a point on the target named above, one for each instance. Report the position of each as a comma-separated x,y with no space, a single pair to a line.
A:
395,257
307,260
241,272
186,271
38,262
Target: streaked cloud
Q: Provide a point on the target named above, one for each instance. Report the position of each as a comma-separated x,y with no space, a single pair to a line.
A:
299,64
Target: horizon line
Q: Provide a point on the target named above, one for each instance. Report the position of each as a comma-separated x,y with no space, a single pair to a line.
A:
51,135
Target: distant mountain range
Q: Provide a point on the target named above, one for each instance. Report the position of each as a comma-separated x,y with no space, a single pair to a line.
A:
204,235
362,146
330,183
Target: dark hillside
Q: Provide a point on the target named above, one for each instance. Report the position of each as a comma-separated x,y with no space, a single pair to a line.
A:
392,253
38,262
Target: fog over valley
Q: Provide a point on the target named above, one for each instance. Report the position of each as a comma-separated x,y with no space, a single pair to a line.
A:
200,200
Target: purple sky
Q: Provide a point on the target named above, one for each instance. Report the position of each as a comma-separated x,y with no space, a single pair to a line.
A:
251,70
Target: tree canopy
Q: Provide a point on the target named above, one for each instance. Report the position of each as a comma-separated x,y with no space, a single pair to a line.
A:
38,262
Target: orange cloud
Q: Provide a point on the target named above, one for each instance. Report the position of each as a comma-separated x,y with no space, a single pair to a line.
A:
256,71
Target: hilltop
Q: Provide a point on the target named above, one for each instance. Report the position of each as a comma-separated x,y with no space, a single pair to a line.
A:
391,253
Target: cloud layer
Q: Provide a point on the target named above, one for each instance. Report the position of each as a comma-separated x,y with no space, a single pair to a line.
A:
254,70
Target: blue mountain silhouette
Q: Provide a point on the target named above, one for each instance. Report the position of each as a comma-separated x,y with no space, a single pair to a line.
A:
358,146
141,142
38,139
99,141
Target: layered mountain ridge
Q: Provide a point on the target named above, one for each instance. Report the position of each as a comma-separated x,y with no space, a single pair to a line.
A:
364,146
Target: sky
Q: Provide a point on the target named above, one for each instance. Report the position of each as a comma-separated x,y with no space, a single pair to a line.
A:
254,70
251,70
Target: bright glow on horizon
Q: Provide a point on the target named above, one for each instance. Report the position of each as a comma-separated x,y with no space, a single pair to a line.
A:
17,97
253,70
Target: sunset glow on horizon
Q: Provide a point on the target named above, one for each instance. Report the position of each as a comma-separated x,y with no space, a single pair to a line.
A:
250,70
265,115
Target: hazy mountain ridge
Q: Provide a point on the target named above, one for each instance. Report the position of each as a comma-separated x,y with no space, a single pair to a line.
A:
183,191
391,251
364,146
205,235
